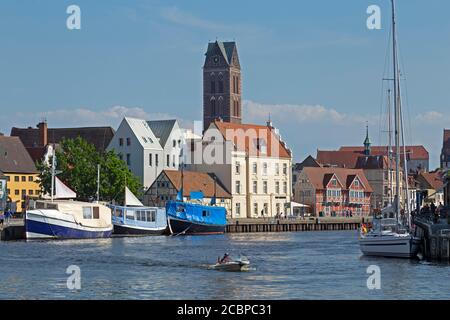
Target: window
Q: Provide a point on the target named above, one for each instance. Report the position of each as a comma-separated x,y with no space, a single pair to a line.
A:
285,168
220,84
238,209
205,213
150,159
277,187
145,139
255,209
334,182
30,179
255,187
121,142
31,192
213,86
8,178
238,187
173,160
265,187
174,143
278,209
128,159
277,169
121,156
24,179
87,213
157,159
213,107
128,142
266,208
17,179
24,192
238,167
255,168
168,160
285,187
17,192
356,183
265,168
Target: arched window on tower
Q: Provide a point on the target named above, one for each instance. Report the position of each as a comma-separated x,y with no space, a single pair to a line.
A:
220,106
220,83
213,83
213,107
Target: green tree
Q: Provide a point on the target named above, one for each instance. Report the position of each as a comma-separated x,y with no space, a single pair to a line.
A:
77,162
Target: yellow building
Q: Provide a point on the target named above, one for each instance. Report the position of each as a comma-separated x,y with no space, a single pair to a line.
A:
20,171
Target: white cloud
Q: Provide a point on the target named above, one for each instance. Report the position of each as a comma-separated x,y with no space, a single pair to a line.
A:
79,117
302,113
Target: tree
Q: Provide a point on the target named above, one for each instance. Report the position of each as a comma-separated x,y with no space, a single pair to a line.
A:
77,162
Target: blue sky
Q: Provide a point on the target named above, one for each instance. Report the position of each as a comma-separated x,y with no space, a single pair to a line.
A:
312,64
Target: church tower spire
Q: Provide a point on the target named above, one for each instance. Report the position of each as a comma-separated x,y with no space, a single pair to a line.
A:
367,143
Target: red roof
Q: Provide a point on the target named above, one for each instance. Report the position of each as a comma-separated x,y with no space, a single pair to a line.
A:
433,179
319,177
343,159
413,152
265,134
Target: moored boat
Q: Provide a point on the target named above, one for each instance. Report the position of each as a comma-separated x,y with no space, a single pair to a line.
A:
64,219
136,219
194,218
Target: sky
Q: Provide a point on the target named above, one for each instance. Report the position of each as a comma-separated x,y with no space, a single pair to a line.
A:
314,66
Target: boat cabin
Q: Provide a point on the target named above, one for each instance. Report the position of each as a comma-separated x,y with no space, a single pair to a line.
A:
145,217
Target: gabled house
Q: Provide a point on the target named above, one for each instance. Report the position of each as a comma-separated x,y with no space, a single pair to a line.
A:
168,184
431,185
148,147
334,191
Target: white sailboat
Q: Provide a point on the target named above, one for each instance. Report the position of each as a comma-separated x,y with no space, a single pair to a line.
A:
389,236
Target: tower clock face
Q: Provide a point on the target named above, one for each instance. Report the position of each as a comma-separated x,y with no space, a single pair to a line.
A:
216,59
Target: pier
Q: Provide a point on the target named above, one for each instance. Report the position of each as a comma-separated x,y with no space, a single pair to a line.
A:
294,225
14,229
435,237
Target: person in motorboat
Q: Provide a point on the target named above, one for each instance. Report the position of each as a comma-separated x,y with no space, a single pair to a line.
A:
226,258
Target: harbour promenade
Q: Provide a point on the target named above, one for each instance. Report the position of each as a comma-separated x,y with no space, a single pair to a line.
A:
13,229
294,225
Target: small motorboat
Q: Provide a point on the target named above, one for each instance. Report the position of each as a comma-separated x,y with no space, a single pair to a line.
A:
232,266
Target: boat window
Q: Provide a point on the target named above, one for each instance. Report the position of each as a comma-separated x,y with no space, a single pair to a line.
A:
205,213
87,213
130,214
119,213
96,213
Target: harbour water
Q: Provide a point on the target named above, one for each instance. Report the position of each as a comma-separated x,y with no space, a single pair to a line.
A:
305,265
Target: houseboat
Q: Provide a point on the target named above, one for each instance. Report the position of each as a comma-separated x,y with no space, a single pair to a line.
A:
135,219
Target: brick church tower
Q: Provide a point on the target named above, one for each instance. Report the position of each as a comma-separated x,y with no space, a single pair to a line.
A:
222,84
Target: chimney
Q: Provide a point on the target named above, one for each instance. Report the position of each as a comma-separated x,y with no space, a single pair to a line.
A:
43,133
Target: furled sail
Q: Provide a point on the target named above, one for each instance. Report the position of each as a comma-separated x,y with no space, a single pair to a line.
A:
62,191
131,200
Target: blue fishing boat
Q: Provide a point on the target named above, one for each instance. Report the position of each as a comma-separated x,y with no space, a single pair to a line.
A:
195,219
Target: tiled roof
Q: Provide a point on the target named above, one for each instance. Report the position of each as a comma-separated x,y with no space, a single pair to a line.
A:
413,152
100,137
308,162
197,181
162,129
432,179
226,48
14,158
341,159
275,147
319,177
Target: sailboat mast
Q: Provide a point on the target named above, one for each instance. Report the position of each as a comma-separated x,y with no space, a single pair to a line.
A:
53,175
389,147
397,112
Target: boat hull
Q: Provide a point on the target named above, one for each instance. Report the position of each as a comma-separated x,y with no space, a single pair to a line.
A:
41,228
389,246
178,226
120,229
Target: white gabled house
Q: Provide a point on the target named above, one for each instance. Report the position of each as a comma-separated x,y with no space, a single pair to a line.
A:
148,147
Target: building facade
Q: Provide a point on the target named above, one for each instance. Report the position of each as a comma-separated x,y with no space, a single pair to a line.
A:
168,184
222,84
39,141
334,192
148,147
252,162
22,178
